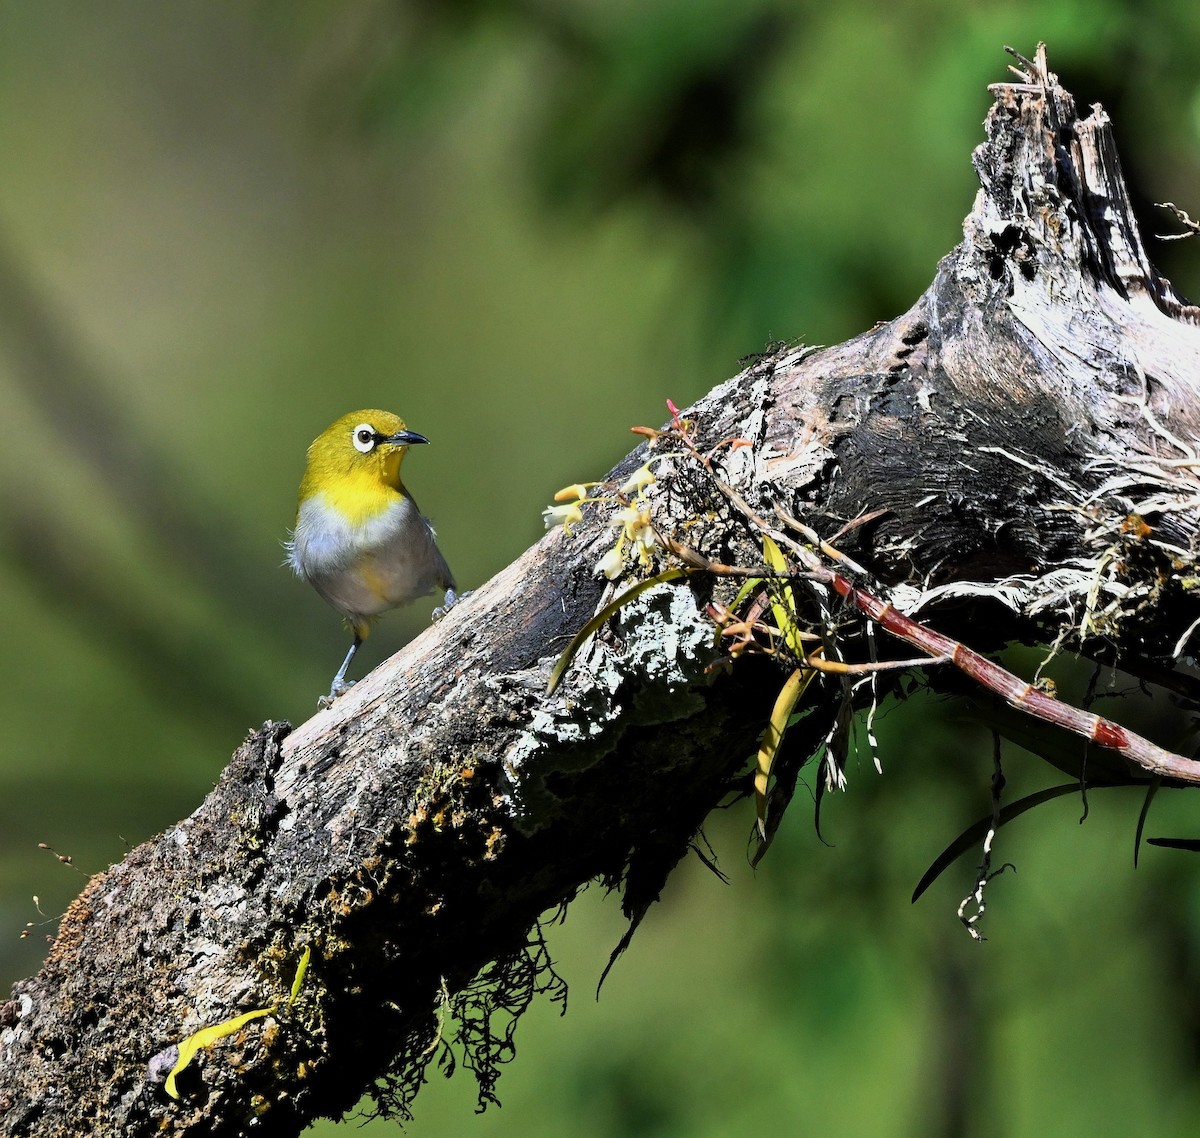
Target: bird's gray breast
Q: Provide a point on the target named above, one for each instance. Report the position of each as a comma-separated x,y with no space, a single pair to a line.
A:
365,568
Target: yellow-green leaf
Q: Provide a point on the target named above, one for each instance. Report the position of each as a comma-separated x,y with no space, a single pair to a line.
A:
301,970
750,585
783,602
785,702
206,1037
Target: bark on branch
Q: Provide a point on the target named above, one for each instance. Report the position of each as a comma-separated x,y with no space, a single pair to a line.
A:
1022,445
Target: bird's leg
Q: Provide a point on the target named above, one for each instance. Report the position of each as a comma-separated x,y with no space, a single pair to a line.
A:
340,684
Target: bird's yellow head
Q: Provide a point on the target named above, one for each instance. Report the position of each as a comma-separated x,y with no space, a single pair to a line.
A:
356,460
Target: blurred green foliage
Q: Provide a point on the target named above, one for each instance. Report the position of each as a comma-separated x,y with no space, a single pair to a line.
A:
524,225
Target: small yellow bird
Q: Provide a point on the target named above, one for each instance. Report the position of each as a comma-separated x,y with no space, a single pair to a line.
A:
360,539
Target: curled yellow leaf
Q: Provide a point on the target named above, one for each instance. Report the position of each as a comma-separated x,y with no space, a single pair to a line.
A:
206,1037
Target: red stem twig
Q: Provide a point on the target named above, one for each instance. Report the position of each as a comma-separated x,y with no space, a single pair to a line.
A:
1016,691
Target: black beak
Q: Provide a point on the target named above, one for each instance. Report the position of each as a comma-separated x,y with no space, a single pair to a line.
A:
405,438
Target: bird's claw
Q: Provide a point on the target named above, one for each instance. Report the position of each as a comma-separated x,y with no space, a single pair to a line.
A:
452,598
340,687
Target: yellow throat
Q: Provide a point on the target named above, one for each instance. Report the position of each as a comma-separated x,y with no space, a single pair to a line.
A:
358,485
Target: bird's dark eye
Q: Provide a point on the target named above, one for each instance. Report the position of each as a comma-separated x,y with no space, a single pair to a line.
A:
364,438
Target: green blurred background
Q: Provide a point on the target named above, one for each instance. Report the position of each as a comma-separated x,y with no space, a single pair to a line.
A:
525,225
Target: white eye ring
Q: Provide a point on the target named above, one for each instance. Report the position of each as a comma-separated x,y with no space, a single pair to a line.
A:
364,438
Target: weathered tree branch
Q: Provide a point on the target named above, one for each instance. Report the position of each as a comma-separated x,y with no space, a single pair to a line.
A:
1025,438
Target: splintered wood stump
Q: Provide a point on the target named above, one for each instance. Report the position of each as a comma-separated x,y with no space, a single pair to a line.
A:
1012,459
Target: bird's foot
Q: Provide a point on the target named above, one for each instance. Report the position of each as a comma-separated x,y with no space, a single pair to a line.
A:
452,598
340,687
